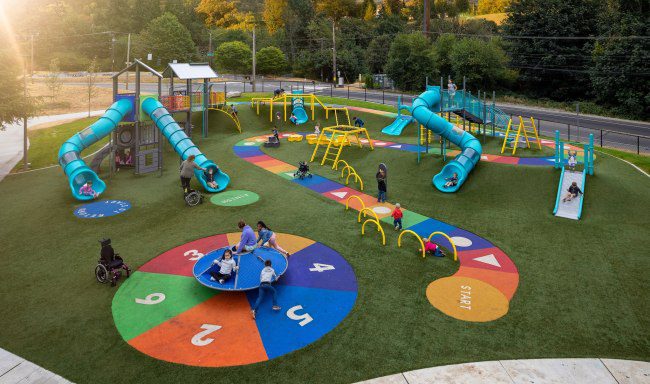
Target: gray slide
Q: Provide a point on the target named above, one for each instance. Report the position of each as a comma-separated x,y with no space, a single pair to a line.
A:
570,209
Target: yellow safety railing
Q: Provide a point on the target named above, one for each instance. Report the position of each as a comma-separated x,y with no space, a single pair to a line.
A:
347,202
453,246
399,240
363,211
379,228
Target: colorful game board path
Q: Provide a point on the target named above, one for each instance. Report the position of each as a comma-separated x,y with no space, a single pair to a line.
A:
162,311
479,291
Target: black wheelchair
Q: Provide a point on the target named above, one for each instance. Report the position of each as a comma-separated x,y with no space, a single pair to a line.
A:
192,197
110,264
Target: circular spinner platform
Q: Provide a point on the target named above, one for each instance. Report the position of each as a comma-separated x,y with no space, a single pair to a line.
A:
162,311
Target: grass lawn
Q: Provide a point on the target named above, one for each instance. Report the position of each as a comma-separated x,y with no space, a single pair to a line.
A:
580,294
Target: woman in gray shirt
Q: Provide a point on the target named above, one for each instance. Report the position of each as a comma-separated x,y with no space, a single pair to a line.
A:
187,170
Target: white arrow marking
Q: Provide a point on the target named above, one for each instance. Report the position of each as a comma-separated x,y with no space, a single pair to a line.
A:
489,259
340,195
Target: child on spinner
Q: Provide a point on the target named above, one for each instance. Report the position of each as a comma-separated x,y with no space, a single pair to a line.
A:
267,276
87,190
267,236
227,265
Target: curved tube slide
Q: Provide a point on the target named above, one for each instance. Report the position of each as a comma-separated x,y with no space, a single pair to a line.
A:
299,109
422,111
70,153
182,144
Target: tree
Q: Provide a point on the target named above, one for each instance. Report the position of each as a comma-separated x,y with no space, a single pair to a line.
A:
377,53
492,6
91,80
409,61
14,105
483,62
550,65
441,52
336,9
52,80
368,9
271,61
275,14
225,14
234,56
619,75
166,39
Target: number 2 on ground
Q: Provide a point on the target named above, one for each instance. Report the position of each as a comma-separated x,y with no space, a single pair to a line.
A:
200,339
318,267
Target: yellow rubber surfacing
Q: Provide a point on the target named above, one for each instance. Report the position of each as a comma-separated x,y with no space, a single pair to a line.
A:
467,299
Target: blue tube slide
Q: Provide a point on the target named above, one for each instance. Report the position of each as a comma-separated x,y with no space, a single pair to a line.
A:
471,149
70,153
182,144
396,127
298,104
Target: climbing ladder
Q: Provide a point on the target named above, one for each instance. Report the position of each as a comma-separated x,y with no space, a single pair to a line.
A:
525,127
336,137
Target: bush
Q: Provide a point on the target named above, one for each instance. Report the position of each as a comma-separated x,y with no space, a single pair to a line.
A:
271,61
234,56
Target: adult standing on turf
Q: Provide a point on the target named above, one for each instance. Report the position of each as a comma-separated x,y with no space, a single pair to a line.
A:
381,185
187,170
247,241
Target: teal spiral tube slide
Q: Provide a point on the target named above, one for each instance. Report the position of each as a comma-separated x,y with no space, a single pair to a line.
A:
298,104
75,168
182,144
471,149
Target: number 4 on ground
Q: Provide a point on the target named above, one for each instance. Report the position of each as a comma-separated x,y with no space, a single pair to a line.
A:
321,267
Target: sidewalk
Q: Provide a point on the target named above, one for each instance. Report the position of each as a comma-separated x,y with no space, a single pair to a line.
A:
11,139
538,371
15,369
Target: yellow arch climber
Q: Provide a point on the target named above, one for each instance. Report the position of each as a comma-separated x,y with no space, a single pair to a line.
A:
453,246
399,240
379,228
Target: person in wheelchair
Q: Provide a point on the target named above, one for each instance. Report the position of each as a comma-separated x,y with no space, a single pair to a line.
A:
110,264
303,171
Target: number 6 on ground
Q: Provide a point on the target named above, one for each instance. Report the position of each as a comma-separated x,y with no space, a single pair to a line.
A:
199,340
305,318
154,298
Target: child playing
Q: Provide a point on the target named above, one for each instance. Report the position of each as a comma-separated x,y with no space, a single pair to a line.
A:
278,117
431,248
209,178
293,118
87,190
227,265
573,190
267,276
275,133
397,217
267,236
357,122
572,160
452,181
317,129
381,186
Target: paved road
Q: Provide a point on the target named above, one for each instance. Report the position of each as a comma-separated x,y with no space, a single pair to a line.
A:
567,123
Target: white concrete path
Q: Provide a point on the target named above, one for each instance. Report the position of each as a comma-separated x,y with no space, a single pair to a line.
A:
11,139
534,371
15,369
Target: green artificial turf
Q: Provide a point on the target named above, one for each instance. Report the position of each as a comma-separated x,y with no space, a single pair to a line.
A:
581,293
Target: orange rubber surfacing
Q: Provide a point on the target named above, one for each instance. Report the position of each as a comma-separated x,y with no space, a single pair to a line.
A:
236,342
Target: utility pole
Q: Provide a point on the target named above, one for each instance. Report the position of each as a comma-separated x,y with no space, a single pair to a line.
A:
334,78
128,58
112,52
25,163
254,61
426,18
